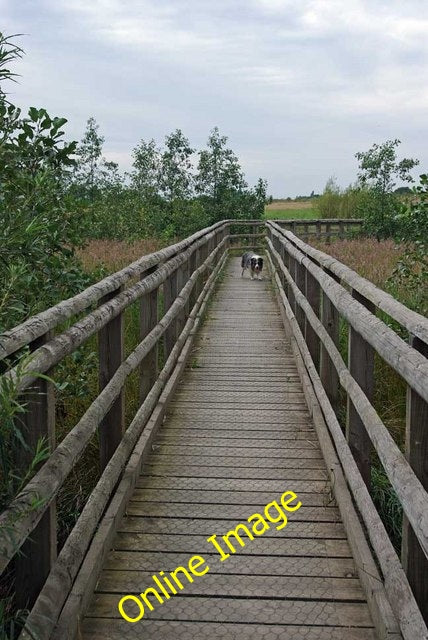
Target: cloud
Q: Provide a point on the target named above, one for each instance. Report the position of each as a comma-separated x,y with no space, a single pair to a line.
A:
290,82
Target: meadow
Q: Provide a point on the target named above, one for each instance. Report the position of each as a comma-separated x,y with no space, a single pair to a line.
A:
289,210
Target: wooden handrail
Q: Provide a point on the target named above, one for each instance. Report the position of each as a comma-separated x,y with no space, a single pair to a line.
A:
414,322
40,324
304,295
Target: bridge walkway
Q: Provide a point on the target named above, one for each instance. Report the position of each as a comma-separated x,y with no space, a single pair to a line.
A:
237,436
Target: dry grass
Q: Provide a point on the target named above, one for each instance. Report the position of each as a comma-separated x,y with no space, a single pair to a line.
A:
116,254
371,259
287,204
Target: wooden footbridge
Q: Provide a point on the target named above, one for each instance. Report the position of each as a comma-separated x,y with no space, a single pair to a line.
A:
243,389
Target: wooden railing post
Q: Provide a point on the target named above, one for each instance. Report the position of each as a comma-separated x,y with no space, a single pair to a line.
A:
182,278
169,295
111,355
292,270
328,232
313,295
38,553
413,558
328,373
148,320
300,280
318,229
361,367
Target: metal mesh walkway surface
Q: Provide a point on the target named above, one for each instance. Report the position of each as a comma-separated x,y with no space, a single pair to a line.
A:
237,436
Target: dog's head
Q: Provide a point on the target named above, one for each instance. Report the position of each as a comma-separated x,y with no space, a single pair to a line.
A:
256,263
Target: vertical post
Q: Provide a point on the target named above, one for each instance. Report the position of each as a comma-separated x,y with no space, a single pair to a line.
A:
341,229
292,270
300,282
318,229
148,320
413,558
361,368
39,552
193,294
111,355
328,373
328,232
169,295
313,295
182,278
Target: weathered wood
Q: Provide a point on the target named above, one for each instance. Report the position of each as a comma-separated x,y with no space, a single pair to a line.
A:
148,320
313,295
47,482
111,355
100,629
414,560
414,322
40,324
301,284
408,488
169,295
78,598
38,554
328,373
408,363
49,355
379,606
361,368
397,587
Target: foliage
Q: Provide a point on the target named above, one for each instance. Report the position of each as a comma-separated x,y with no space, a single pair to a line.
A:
378,170
341,203
411,272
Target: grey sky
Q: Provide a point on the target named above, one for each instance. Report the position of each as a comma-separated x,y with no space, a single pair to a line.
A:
298,86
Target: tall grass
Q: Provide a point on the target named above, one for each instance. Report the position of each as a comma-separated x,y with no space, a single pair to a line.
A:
336,202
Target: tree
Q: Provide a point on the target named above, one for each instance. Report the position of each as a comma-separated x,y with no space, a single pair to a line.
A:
89,152
176,179
378,170
145,175
219,179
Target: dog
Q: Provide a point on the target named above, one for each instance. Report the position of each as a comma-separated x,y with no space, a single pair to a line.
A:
253,262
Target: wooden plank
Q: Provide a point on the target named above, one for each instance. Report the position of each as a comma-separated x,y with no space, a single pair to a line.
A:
243,586
328,373
111,355
178,471
223,464
413,558
313,295
205,527
361,368
148,320
237,512
286,565
102,629
169,295
38,553
255,610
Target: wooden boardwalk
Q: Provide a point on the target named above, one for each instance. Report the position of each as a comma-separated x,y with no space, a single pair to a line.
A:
238,434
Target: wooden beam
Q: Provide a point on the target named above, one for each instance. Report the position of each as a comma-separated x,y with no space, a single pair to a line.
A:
38,553
111,355
313,295
413,558
328,373
361,367
169,295
148,320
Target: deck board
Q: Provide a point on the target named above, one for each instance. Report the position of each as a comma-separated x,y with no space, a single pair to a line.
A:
237,435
